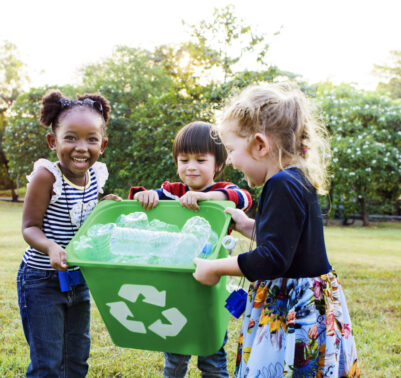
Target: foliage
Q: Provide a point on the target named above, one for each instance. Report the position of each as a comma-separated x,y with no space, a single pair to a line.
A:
12,78
365,132
128,78
391,73
153,94
147,111
223,41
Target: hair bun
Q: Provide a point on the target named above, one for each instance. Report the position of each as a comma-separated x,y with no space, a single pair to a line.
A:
99,98
51,107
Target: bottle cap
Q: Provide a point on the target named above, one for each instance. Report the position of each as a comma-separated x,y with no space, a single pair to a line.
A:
206,250
229,242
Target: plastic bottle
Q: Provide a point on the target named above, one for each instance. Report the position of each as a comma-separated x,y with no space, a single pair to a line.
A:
199,227
137,220
158,225
100,235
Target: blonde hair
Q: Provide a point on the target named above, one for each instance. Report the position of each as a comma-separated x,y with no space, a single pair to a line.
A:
284,114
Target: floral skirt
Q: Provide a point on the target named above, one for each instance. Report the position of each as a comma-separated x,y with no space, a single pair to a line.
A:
297,328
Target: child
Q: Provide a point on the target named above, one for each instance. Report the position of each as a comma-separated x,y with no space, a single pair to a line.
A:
200,158
296,321
59,197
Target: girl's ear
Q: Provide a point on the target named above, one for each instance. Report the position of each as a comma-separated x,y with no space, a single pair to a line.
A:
51,141
260,145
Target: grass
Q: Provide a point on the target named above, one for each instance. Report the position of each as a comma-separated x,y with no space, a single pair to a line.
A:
368,261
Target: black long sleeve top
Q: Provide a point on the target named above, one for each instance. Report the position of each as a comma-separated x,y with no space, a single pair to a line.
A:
289,231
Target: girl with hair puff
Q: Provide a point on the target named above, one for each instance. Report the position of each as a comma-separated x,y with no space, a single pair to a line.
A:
59,197
296,321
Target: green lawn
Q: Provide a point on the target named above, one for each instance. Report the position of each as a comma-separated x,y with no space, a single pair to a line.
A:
368,262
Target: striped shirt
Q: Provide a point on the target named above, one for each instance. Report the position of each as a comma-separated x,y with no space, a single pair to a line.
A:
63,216
175,190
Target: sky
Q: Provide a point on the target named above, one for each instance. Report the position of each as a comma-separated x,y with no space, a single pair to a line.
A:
321,40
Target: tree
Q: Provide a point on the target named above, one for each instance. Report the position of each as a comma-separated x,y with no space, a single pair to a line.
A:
222,42
12,79
392,73
147,111
365,132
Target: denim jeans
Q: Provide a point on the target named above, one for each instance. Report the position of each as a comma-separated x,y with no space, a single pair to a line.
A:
213,366
56,324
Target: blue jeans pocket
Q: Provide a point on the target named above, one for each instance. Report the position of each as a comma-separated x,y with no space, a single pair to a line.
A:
35,277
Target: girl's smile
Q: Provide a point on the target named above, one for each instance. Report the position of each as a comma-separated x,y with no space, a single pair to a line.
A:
78,143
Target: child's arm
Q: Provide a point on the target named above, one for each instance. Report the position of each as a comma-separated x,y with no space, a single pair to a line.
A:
36,201
240,197
208,272
220,191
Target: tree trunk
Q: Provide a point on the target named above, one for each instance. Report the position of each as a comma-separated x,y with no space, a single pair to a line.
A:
14,194
364,214
397,207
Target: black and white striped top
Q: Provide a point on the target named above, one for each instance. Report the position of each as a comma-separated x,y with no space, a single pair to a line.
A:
62,218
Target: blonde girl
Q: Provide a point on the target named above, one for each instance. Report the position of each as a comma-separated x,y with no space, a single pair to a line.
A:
296,321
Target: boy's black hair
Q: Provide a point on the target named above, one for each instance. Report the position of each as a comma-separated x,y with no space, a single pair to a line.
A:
200,138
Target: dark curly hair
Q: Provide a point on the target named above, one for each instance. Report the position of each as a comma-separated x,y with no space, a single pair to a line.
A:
53,107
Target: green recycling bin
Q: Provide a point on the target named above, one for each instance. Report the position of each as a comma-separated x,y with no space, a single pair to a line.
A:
158,307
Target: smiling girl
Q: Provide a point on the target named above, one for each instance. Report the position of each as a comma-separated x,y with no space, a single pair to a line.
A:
59,197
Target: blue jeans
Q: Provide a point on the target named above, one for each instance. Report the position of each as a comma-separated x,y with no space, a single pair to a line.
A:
56,324
213,366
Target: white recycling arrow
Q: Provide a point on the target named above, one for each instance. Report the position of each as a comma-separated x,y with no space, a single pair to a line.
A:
121,312
151,294
176,319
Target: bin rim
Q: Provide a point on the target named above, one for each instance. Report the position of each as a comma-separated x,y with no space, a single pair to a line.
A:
103,205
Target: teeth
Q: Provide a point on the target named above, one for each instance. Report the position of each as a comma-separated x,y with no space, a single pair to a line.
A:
80,159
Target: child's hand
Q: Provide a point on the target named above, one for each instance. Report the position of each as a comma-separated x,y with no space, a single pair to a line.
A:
205,273
242,222
190,200
112,197
147,198
58,257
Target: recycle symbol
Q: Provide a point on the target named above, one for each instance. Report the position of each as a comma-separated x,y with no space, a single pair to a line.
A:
121,312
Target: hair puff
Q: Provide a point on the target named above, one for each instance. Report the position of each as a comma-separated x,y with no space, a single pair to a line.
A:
97,97
51,107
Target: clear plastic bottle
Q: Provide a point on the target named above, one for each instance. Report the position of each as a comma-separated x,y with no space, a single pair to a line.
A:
213,238
100,234
129,241
83,248
145,245
137,220
199,227
158,225
133,239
